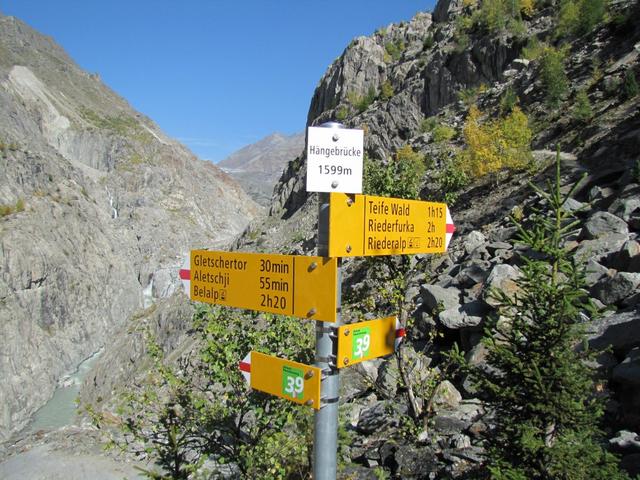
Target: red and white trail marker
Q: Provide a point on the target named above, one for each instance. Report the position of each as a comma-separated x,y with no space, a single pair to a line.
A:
400,334
185,275
245,368
450,229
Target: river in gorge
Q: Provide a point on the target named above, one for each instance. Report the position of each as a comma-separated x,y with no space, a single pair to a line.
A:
61,409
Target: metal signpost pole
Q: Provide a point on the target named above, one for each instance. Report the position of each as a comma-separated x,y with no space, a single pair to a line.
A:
325,444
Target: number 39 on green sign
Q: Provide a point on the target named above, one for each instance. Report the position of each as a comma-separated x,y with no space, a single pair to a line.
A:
292,382
361,343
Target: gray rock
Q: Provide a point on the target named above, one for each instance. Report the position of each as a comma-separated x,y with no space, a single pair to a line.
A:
628,258
601,248
436,297
620,331
595,272
413,461
473,240
449,424
382,413
472,274
388,377
446,396
611,290
573,205
445,9
502,278
628,372
625,441
627,203
602,224
631,464
457,318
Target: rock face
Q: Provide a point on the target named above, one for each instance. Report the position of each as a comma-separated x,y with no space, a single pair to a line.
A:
99,208
257,167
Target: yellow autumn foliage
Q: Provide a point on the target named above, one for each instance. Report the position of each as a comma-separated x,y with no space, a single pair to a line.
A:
495,145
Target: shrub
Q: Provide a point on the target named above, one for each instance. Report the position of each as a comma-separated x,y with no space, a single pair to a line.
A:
591,15
395,49
554,78
579,17
442,133
534,49
6,210
203,407
428,124
499,144
630,84
451,180
428,42
508,100
582,110
503,15
401,177
342,112
362,102
386,91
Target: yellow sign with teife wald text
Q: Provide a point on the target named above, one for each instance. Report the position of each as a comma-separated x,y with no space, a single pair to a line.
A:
300,286
364,225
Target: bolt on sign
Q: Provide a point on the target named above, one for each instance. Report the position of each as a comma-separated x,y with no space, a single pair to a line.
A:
362,341
293,381
334,160
299,286
364,225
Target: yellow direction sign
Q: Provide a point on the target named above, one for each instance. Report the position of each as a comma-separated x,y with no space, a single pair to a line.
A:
300,286
362,341
361,225
294,381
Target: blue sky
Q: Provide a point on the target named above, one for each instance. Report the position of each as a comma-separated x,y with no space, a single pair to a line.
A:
217,75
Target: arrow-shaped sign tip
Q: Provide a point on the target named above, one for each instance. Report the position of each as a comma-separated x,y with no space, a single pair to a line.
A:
245,368
450,229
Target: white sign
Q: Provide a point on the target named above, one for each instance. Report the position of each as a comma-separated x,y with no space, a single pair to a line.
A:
334,160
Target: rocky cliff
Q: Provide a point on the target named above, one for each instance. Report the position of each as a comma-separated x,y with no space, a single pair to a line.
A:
99,208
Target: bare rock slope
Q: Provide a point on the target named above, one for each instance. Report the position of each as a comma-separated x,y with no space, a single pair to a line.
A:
98,206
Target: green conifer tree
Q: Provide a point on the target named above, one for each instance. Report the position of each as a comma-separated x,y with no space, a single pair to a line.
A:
541,391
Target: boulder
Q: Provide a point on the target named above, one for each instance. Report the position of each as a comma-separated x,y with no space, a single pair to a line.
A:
614,289
628,258
625,442
628,372
436,297
446,396
413,461
601,248
473,240
602,224
502,278
621,331
457,318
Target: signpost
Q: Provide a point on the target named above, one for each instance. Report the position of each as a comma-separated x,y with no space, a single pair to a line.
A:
307,287
293,381
366,340
363,225
334,159
294,285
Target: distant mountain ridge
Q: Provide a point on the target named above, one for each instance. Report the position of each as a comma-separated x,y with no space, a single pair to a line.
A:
257,167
